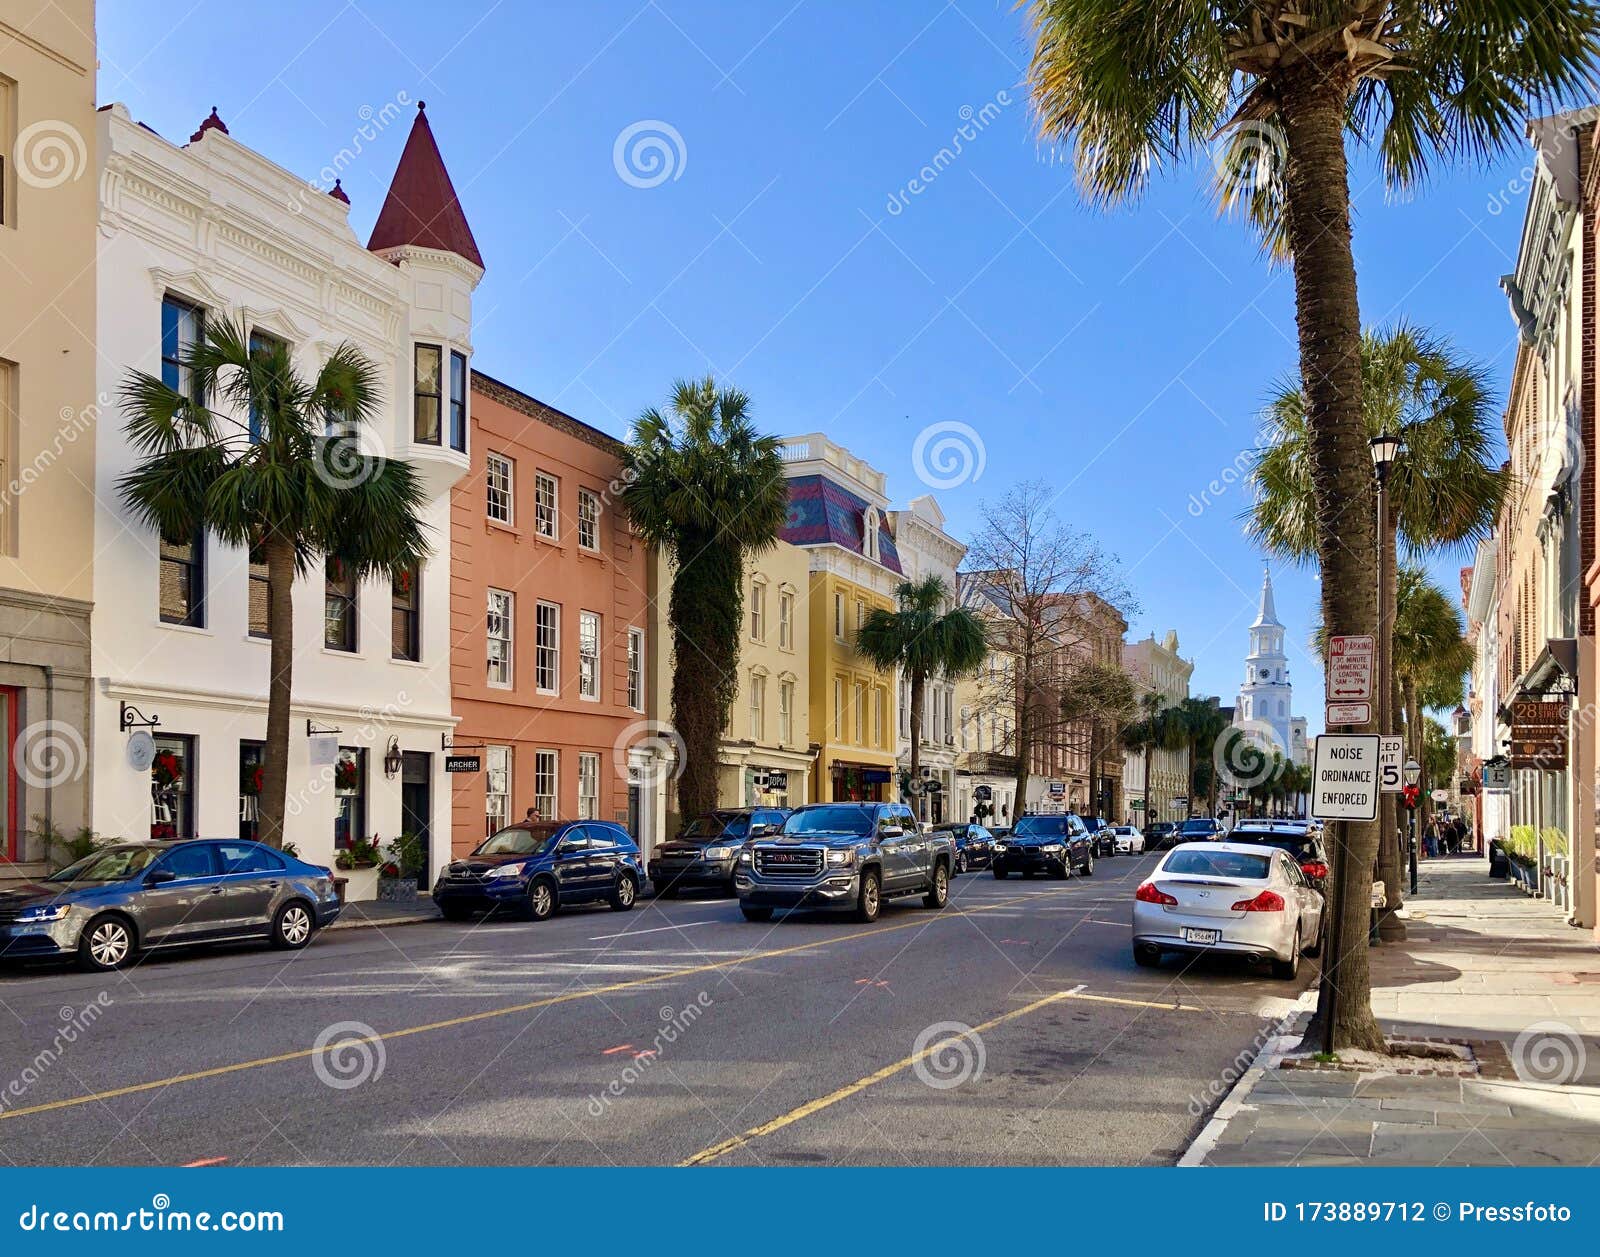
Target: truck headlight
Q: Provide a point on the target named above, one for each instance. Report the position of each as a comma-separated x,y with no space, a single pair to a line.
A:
841,859
718,853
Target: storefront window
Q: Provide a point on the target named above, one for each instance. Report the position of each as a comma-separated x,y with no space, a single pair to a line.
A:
8,773
350,788
252,761
172,787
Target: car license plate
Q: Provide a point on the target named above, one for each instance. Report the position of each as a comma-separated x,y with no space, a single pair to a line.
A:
1201,936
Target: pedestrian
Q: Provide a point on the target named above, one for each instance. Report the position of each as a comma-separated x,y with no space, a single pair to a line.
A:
530,816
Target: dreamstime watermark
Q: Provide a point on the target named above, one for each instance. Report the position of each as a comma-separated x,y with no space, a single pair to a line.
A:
74,1023
974,122
949,454
347,1054
649,152
75,424
341,462
1232,1072
1249,158
374,721
372,122
675,1022
1219,485
649,753
49,153
947,1054
1549,1052
160,1217
1250,754
49,753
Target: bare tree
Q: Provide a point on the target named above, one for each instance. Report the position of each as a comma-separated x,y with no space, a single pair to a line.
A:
1054,604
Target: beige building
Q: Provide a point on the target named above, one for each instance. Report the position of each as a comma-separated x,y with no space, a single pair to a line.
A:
48,414
1156,668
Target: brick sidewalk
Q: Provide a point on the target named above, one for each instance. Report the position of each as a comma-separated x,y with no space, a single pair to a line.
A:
1484,966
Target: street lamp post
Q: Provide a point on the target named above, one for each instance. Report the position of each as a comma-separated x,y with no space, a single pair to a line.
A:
1386,449
1413,774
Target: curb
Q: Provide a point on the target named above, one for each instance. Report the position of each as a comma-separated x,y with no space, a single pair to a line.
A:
351,923
1278,1045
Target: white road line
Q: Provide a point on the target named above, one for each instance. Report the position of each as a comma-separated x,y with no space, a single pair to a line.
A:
600,938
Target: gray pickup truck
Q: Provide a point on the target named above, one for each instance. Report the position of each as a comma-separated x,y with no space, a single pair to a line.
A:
844,856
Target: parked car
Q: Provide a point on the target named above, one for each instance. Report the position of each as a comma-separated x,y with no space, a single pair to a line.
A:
1128,840
703,855
1100,837
1304,847
1198,829
538,866
1228,897
1055,844
844,855
1159,835
130,897
974,846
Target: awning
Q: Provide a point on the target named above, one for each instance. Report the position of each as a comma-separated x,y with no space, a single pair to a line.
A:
1556,669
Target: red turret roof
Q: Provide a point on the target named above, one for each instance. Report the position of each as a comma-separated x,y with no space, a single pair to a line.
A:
421,208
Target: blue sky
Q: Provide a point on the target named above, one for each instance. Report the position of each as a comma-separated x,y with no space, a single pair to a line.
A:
1122,356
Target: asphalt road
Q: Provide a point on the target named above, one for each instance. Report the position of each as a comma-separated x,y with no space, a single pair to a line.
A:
1010,1028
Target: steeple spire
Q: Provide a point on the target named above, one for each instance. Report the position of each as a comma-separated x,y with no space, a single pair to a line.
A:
1268,615
421,208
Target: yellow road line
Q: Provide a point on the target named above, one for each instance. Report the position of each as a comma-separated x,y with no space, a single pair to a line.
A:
565,997
707,1155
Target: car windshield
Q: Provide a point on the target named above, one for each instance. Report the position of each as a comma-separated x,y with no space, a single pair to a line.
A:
1042,827
1205,862
848,819
733,824
520,840
115,865
1297,845
1199,827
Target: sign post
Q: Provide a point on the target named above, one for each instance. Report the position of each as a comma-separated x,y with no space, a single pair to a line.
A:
1344,787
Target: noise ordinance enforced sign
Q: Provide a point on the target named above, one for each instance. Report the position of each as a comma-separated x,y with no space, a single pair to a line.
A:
1344,783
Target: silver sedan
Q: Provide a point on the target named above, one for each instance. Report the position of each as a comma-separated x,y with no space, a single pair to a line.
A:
1230,897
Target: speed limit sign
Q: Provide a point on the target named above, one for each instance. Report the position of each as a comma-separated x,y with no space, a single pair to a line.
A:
1391,759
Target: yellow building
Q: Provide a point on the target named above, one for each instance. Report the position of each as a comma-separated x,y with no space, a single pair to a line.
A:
836,516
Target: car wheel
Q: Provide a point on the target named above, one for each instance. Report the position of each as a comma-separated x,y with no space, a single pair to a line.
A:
541,900
1146,957
1088,865
293,927
624,893
106,943
1289,969
961,861
454,911
869,899
753,913
939,891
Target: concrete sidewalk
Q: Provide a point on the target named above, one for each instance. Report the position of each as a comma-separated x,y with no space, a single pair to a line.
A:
1484,972
370,913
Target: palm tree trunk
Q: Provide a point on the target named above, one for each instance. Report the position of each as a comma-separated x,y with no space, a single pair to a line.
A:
916,740
1328,318
279,553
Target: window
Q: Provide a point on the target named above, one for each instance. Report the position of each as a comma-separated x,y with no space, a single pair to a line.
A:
405,602
861,713
588,786
171,787
339,606
547,648
238,857
588,655
546,769
965,719
252,761
785,621
838,708
499,479
838,617
8,426
785,712
260,343
544,505
496,789
182,328
8,140
183,565
869,532
588,520
500,638
350,793
259,597
861,614
189,862
458,402
758,611
426,366
758,703
636,669
877,716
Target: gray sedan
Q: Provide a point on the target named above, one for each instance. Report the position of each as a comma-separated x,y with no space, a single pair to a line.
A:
1228,897
131,896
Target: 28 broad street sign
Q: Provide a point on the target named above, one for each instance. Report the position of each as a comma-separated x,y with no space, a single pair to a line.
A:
1344,783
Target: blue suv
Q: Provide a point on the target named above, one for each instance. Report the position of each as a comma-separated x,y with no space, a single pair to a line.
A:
538,866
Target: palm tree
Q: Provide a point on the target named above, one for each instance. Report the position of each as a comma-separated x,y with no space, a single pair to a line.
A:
924,636
293,485
707,489
1203,724
1138,85
1142,735
1445,490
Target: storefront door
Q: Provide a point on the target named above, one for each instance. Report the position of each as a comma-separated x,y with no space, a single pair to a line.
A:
416,805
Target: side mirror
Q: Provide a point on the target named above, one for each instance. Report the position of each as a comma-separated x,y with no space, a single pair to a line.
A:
891,831
158,877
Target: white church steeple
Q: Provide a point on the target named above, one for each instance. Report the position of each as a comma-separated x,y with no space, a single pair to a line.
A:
1266,701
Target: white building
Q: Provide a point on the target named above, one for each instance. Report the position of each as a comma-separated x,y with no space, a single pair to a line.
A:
927,550
213,229
1266,700
1488,732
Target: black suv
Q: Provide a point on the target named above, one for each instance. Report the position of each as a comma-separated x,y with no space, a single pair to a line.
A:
1304,848
704,854
1059,845
974,845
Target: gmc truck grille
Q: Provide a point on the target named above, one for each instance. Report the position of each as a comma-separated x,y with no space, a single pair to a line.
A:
796,862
